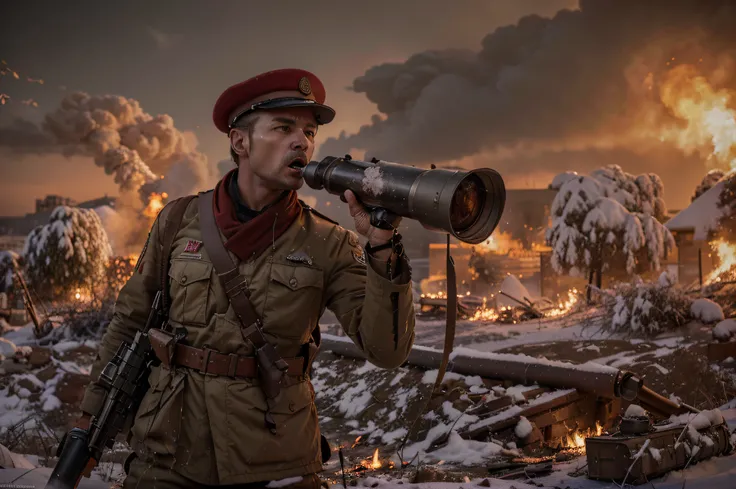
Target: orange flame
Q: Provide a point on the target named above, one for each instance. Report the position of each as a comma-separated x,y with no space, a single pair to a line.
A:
376,463
710,122
727,257
155,204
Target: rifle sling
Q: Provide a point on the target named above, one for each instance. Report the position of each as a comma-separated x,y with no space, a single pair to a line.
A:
227,270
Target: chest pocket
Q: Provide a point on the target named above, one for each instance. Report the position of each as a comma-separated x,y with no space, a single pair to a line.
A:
190,290
297,277
294,296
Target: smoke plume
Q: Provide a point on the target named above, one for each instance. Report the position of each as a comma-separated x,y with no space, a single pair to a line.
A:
589,79
147,156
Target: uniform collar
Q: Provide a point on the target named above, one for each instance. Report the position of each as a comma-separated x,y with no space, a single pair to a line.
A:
242,211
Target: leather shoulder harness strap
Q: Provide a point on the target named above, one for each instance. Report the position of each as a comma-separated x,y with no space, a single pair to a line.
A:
227,270
271,367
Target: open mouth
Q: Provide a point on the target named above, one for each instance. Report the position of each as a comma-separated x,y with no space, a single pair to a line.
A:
298,164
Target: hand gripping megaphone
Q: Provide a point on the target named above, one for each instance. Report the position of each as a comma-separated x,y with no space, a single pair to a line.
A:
466,204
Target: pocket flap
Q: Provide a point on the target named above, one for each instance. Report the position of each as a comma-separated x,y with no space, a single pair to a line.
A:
291,399
296,277
186,272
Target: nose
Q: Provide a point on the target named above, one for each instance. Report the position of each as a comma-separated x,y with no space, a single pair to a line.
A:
300,141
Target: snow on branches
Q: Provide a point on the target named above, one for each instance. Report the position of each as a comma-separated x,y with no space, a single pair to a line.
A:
607,220
69,252
647,309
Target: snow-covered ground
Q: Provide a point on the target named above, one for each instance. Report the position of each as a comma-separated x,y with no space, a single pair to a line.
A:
357,399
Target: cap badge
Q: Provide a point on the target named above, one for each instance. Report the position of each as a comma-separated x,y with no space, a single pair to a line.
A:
304,86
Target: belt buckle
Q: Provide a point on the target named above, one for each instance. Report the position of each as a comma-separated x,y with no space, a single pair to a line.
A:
207,351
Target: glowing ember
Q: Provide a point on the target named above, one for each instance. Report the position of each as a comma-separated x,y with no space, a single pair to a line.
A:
501,243
598,429
727,258
82,296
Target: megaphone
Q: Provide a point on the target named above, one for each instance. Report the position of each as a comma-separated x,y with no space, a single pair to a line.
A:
466,204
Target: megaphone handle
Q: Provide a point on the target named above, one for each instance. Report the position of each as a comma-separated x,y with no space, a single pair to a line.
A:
384,218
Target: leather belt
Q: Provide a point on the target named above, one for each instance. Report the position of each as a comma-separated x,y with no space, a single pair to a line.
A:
212,362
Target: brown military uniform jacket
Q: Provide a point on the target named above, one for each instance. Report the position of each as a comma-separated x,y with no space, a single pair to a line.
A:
211,428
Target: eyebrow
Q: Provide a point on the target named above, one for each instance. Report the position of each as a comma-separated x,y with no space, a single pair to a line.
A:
286,120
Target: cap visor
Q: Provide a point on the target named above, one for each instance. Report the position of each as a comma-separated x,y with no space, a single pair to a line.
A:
323,113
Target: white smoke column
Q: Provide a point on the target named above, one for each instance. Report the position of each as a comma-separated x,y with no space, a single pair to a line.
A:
144,154
130,144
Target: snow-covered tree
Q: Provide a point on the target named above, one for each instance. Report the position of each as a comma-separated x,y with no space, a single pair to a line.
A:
710,179
592,231
642,194
70,252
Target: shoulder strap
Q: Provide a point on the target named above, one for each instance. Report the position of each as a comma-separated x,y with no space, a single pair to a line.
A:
173,222
316,212
227,270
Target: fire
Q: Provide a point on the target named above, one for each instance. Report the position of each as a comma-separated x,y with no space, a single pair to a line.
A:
710,122
376,463
501,243
576,440
727,257
565,305
155,204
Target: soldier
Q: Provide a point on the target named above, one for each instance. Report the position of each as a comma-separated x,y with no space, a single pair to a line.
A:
205,420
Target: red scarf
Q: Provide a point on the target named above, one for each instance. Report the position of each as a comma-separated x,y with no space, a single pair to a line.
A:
250,239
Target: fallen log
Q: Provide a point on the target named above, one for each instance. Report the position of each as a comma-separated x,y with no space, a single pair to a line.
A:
592,378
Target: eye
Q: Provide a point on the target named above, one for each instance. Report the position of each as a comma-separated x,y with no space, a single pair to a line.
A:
310,133
283,128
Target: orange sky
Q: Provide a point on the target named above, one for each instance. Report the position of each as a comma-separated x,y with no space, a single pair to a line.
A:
177,61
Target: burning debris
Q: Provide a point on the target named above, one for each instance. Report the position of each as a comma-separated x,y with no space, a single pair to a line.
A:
492,421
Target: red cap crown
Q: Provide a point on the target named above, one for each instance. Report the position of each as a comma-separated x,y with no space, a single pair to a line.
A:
291,87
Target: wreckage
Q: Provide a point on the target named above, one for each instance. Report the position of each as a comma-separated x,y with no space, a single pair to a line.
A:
629,432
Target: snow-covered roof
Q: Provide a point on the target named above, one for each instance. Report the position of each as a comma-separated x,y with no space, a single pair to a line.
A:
702,215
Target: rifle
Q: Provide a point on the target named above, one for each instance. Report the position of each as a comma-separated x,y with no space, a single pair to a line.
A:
125,378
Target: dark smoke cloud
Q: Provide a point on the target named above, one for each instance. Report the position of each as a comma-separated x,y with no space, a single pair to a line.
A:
21,136
579,77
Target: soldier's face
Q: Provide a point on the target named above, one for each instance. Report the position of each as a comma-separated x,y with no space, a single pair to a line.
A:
281,143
